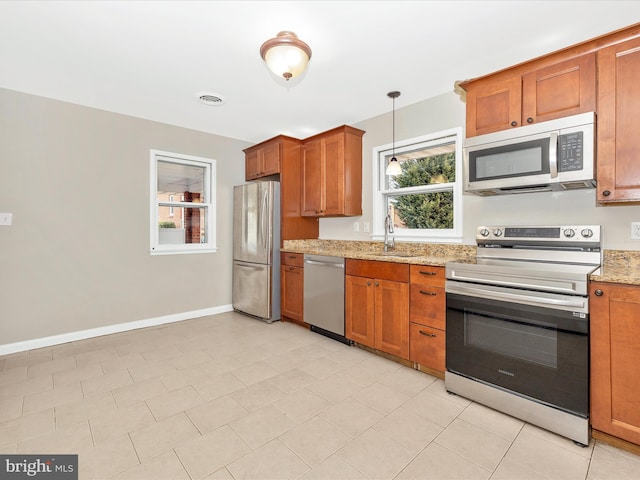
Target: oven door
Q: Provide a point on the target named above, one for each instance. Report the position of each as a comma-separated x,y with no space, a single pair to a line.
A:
531,348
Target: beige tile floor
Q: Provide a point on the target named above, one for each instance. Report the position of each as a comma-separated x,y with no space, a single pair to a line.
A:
230,397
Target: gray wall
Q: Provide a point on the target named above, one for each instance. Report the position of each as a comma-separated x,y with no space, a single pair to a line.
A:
77,256
447,111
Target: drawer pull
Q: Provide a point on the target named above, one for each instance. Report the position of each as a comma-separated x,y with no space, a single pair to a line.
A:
427,334
427,293
426,273
291,269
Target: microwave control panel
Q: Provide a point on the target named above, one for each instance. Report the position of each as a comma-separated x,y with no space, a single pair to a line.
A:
570,152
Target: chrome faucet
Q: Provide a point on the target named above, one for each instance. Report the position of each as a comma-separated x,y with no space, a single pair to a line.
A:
389,243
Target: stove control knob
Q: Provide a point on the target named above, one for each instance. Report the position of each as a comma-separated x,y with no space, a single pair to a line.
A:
587,233
569,233
485,232
497,232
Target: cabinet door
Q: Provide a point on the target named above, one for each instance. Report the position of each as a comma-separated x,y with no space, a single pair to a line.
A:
615,356
251,165
333,165
292,290
359,310
312,179
618,123
270,159
494,106
566,88
392,317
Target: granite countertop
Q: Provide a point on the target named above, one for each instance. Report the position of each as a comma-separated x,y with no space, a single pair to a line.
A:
414,253
619,266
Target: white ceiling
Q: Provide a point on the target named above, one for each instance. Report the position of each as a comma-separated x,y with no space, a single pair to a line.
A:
149,59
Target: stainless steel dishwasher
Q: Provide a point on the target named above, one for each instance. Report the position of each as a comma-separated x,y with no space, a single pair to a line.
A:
324,295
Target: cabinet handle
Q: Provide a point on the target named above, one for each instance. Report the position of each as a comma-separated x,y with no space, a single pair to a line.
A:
599,292
427,293
606,193
426,273
377,284
529,120
427,334
291,268
368,284
514,124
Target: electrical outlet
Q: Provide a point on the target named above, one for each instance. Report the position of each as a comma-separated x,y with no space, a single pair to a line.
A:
356,227
5,219
635,230
365,227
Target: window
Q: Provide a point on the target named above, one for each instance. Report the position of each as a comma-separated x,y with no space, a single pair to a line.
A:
182,204
425,200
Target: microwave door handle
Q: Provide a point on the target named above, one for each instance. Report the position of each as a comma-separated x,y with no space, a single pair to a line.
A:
553,154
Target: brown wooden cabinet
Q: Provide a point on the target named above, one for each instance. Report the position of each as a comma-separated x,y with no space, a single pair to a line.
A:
264,159
377,305
618,145
518,97
281,155
332,173
291,286
427,316
615,357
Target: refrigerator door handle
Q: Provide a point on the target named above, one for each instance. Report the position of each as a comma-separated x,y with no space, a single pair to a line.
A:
249,266
264,218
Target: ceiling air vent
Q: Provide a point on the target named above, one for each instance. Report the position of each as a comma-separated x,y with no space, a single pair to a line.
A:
211,99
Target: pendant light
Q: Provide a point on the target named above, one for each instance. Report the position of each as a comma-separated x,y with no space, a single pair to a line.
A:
394,166
286,55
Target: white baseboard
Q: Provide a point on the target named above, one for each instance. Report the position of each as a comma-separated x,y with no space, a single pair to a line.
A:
117,328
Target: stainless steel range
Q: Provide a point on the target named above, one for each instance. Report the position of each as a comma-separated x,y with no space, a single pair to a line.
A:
518,324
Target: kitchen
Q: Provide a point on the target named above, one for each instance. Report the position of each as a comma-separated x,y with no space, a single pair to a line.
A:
78,265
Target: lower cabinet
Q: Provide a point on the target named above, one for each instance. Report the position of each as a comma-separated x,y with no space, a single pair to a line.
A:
291,286
377,305
427,315
615,357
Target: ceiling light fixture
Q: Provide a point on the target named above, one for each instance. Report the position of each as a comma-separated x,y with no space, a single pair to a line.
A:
394,166
286,55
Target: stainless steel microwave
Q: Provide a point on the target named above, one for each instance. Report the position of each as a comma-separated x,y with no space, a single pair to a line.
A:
548,156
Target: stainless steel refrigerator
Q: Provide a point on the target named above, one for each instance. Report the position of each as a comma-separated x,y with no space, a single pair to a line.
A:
256,250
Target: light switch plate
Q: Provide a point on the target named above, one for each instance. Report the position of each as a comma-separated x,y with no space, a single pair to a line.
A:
5,219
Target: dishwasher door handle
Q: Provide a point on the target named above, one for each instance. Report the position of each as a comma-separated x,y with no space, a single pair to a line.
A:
324,264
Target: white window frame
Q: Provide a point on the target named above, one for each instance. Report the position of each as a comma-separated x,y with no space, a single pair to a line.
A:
453,235
208,202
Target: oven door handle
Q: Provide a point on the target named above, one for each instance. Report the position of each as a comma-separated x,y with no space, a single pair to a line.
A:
500,294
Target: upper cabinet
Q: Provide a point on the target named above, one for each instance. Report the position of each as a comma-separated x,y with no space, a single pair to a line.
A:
332,173
519,97
263,159
281,156
618,146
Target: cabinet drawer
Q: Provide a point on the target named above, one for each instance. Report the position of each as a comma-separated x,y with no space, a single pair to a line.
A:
427,275
293,259
396,272
427,346
427,306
